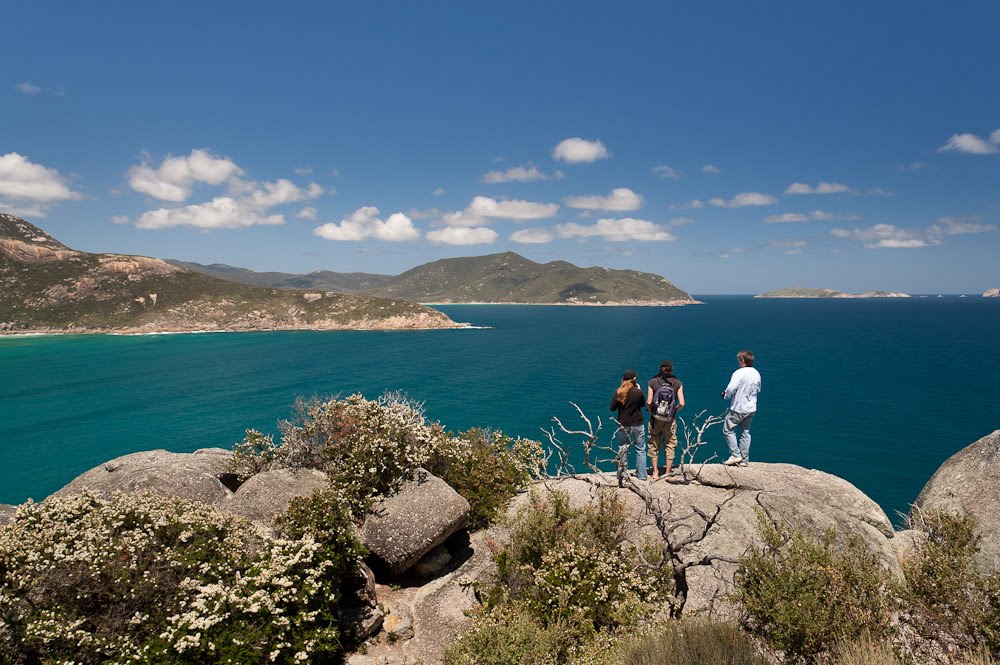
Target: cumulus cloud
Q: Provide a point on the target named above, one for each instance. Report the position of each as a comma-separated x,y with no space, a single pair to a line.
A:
883,236
28,88
813,216
519,174
666,172
971,144
175,177
365,223
579,151
618,230
222,212
821,188
271,194
744,199
309,213
532,236
483,209
711,168
619,200
23,180
120,219
462,235
440,191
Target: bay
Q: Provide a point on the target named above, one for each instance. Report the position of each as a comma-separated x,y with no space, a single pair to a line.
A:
879,392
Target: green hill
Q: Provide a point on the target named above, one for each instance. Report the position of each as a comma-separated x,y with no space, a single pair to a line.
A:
511,278
325,280
47,286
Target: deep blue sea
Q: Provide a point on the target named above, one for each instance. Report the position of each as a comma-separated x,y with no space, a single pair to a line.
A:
879,392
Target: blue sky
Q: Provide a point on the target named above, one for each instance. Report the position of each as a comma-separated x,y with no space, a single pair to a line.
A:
732,147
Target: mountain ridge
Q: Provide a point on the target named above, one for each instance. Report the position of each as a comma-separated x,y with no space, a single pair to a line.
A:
46,286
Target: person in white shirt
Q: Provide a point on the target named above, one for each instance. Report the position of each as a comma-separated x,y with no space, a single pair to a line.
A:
742,393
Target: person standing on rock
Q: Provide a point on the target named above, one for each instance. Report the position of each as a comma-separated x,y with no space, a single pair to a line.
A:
665,397
742,393
628,401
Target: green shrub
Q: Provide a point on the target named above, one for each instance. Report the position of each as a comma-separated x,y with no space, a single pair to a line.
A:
801,594
943,585
146,579
488,468
505,636
692,642
865,650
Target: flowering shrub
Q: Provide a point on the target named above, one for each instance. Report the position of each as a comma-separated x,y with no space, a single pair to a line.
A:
368,446
488,468
144,579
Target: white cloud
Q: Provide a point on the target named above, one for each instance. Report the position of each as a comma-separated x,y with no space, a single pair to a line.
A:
270,194
680,221
821,188
813,216
532,236
883,236
971,144
618,230
912,166
692,204
120,219
462,235
711,168
23,180
579,151
793,251
952,226
365,223
222,212
787,243
28,88
619,200
666,172
483,209
440,191
417,213
519,174
309,213
303,170
175,177
744,199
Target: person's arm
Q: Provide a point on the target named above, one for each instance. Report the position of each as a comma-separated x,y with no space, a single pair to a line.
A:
680,399
649,399
734,383
614,402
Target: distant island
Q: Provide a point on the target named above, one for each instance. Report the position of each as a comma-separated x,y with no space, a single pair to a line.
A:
48,287
828,293
991,293
506,278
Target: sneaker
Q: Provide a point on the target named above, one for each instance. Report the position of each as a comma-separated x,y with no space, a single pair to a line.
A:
733,461
744,463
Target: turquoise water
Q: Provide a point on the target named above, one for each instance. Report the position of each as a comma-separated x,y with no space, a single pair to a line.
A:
879,392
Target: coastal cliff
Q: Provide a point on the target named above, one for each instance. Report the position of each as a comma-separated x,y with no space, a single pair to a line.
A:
48,287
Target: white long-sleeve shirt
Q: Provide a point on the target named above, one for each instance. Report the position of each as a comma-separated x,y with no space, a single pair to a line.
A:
742,390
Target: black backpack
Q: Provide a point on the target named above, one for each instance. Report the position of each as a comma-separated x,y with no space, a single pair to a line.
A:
664,403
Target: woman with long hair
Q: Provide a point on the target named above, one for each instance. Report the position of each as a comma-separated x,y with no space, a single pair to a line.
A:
628,401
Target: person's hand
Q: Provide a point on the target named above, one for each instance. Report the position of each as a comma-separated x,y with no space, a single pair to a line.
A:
722,394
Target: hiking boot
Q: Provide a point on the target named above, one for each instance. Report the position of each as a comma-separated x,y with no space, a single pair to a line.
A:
733,461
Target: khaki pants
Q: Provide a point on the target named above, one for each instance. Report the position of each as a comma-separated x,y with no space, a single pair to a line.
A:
663,434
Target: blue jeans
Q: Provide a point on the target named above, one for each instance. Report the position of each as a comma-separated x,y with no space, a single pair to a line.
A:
632,435
740,421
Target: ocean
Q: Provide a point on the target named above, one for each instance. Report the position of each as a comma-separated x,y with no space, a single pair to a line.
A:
878,392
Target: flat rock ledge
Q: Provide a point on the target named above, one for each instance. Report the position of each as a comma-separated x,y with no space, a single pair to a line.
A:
404,527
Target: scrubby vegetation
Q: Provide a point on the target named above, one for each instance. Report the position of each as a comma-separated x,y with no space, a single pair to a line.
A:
691,642
802,594
145,579
367,446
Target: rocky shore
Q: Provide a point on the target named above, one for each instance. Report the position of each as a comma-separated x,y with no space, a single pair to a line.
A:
424,562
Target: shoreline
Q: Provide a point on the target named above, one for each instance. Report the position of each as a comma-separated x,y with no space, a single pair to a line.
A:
636,303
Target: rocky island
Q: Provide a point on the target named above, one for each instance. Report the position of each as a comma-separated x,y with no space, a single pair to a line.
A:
991,293
828,293
48,287
505,278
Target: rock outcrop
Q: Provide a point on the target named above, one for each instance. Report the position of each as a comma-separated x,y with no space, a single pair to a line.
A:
6,513
968,483
266,495
404,527
191,476
806,499
991,293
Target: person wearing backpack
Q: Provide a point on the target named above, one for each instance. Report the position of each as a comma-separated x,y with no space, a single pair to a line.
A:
664,399
742,393
627,401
